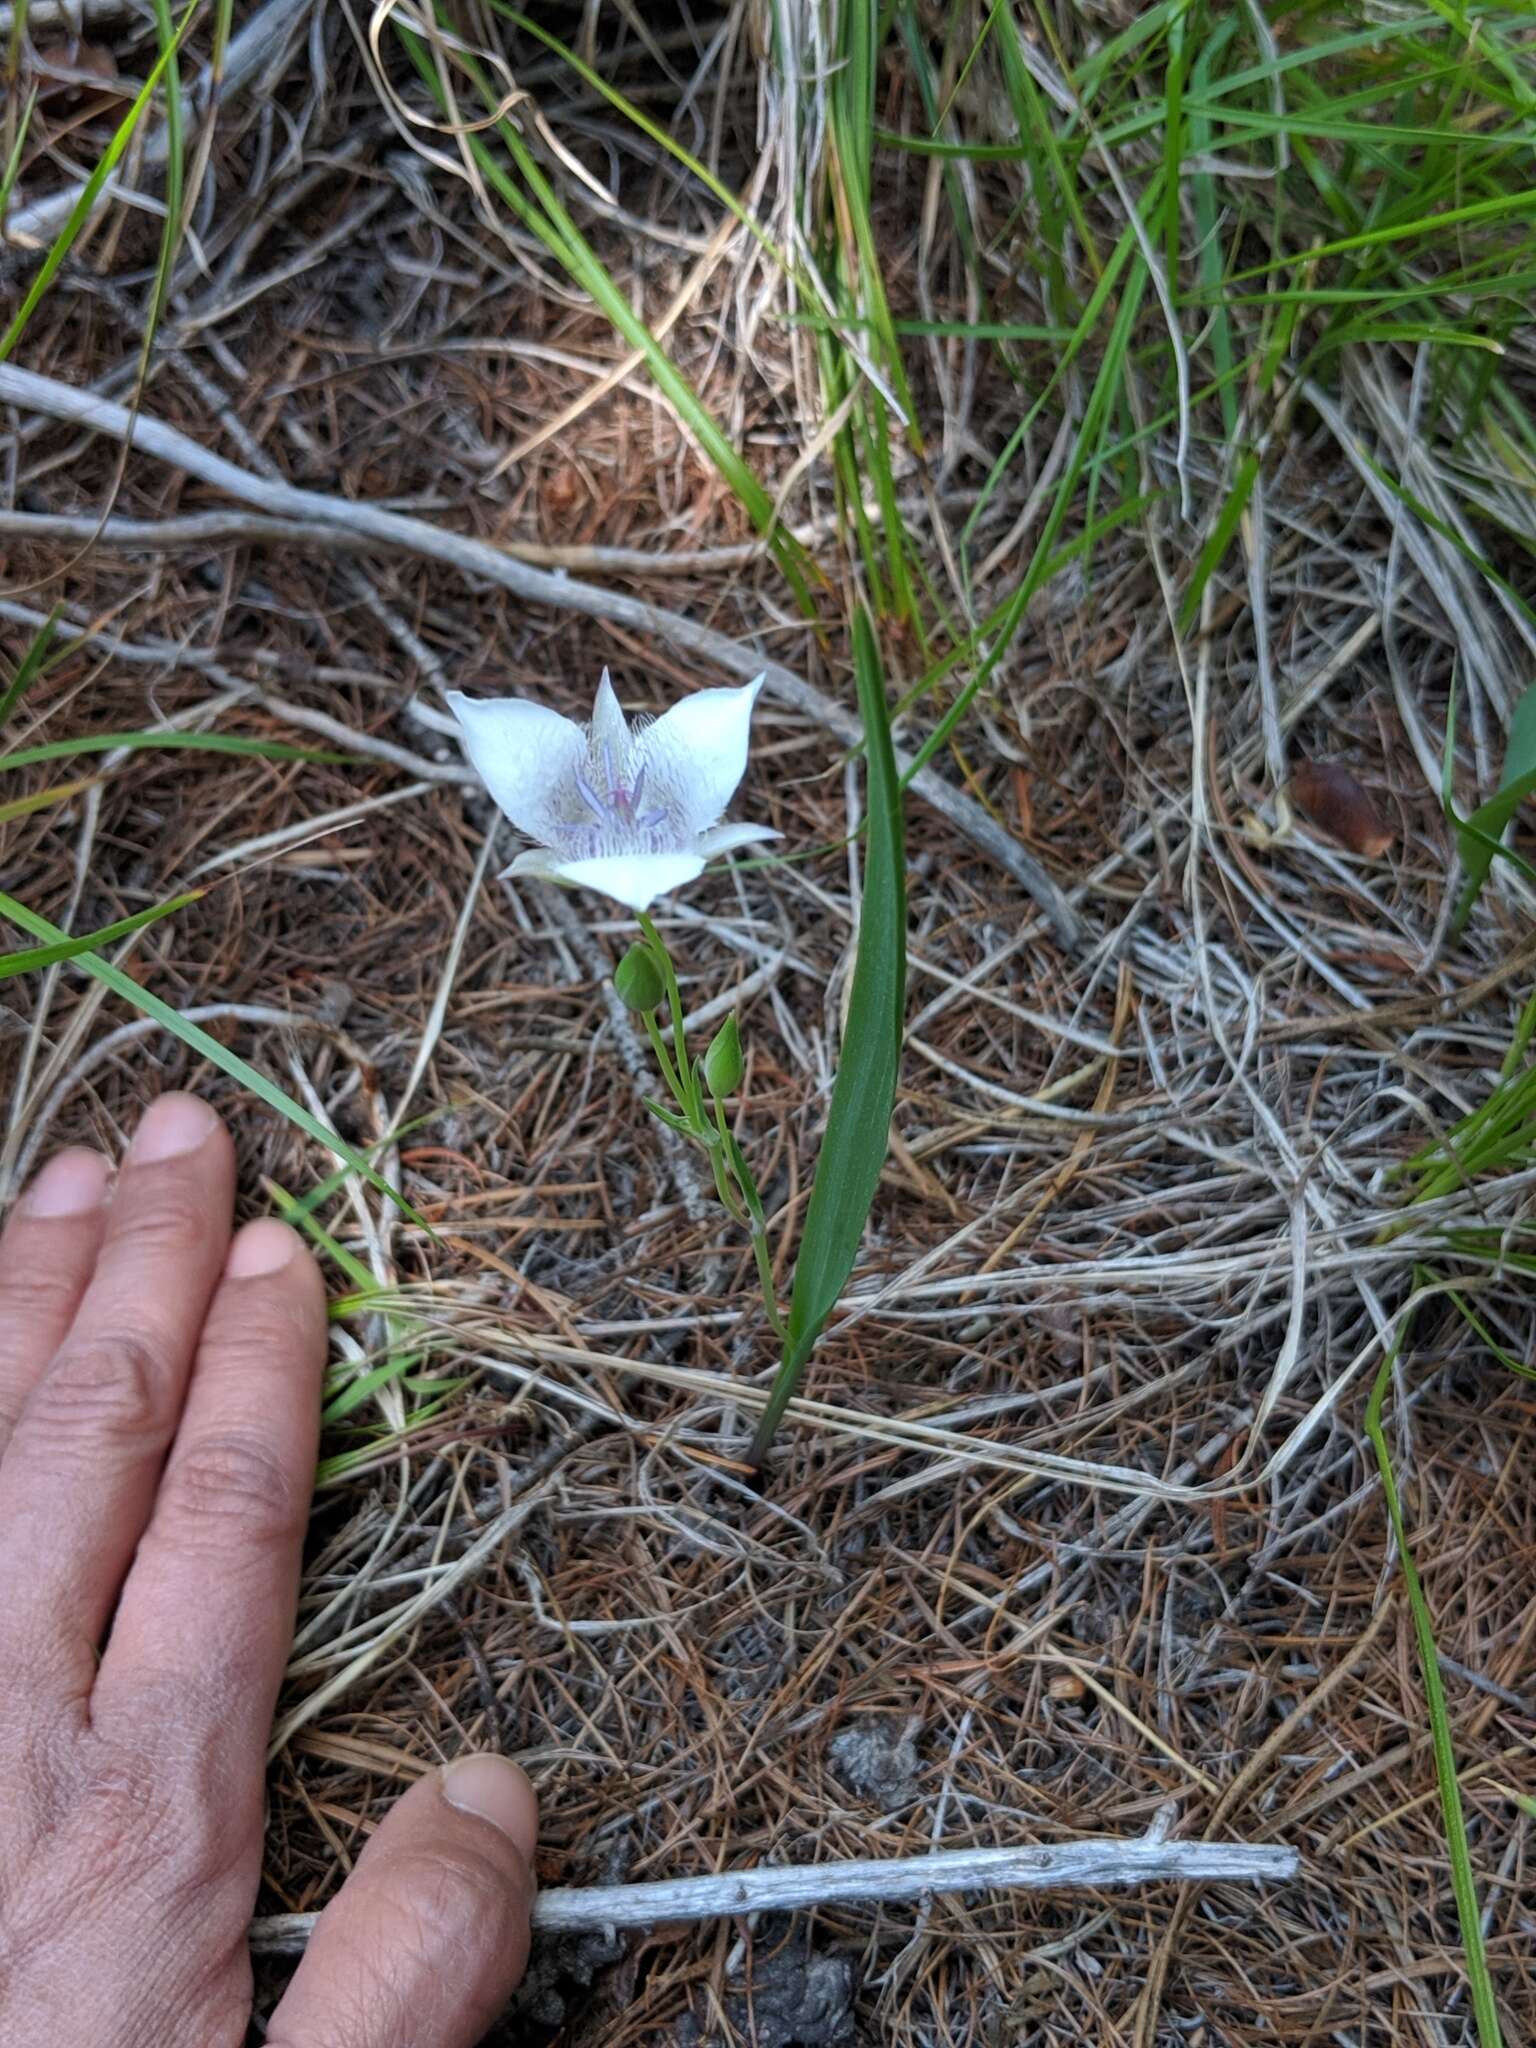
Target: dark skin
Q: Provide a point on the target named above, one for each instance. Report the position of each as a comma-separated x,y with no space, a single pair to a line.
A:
159,1415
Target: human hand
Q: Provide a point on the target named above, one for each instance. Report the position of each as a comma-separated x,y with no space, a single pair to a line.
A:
159,1411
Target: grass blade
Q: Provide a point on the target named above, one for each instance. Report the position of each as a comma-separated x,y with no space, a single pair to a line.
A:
1463,1886
83,207
537,206
199,1041
1479,834
34,958
18,146
853,1152
42,799
185,742
31,665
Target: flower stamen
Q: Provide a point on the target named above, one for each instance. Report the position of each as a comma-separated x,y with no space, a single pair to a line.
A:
591,799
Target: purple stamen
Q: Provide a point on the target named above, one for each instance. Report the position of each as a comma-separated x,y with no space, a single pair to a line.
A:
591,799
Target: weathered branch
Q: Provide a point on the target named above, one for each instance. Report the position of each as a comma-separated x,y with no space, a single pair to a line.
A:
66,14
1062,1866
318,513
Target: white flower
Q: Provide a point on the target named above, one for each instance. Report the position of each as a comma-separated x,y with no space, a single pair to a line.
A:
633,812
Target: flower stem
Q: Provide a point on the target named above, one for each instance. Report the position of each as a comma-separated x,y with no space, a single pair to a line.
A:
688,1099
741,1173
766,1282
664,1060
733,1177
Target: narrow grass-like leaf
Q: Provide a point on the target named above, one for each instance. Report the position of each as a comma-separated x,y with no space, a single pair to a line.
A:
199,1041
857,1140
1208,206
355,1392
1219,539
184,742
31,665
1480,833
14,155
1504,206
658,133
1448,534
85,204
301,1215
1475,1323
31,959
175,187
534,201
1463,1886
332,1471
42,799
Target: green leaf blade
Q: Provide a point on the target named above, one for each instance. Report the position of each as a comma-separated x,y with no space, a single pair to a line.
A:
853,1152
1480,835
33,959
199,1041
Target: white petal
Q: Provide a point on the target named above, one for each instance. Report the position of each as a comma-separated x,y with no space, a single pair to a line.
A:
537,863
697,752
633,878
523,753
608,726
721,838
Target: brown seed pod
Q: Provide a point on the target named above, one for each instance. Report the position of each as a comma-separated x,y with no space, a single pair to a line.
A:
1336,803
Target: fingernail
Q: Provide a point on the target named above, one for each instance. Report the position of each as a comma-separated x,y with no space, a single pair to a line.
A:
173,1125
495,1789
69,1185
260,1248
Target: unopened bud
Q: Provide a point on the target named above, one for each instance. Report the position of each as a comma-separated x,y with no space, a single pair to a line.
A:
637,980
723,1062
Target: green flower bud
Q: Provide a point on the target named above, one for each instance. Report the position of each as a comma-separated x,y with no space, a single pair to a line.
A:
723,1062
638,980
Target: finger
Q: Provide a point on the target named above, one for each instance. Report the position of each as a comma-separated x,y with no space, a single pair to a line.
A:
79,1478
428,1938
46,1256
211,1591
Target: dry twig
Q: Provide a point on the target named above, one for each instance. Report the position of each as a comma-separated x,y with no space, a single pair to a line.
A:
1053,1867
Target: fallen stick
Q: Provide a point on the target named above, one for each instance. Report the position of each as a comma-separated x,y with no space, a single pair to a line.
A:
317,512
1062,1866
70,14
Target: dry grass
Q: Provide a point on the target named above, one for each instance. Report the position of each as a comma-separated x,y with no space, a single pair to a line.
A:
1127,1267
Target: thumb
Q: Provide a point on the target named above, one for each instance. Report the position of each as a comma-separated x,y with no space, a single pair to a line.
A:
428,1937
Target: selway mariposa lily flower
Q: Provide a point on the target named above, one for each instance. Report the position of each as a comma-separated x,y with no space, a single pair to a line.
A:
632,811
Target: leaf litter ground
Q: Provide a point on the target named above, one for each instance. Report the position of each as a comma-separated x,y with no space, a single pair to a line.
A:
1086,1520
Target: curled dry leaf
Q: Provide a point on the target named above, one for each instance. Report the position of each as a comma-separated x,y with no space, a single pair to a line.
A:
1336,803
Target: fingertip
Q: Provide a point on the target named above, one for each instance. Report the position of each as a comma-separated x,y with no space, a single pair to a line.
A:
449,1871
172,1126
262,1248
73,1183
493,1788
